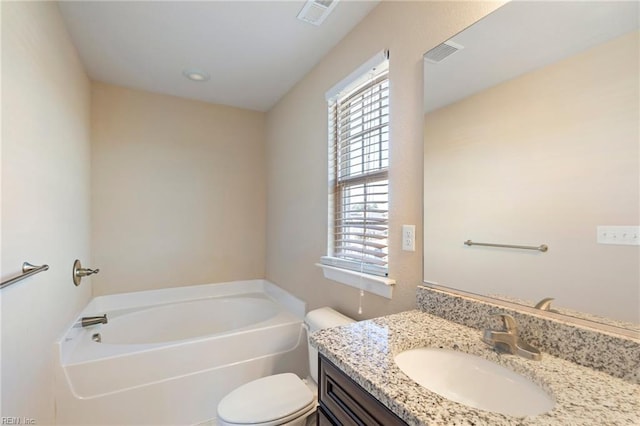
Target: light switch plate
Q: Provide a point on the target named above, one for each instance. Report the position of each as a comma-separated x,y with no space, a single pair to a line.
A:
619,235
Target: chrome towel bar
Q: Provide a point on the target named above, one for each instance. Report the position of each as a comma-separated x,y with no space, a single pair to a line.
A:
543,247
27,270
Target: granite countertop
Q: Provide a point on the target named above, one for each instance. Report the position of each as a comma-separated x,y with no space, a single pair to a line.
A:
365,351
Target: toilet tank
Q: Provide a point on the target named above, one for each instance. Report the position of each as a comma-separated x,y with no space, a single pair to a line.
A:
317,320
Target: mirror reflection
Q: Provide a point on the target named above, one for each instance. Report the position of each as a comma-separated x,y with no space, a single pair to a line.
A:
531,137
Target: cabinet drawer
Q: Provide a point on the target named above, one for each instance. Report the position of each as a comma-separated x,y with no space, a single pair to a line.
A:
346,403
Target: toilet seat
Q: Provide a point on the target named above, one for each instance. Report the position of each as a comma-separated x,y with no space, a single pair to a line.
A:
271,400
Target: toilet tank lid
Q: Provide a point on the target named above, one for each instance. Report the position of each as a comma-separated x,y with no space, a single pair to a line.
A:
325,318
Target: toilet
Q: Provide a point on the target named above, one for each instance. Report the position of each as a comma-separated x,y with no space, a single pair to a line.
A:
281,399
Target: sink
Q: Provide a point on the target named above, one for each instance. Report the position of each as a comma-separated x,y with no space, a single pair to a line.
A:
474,381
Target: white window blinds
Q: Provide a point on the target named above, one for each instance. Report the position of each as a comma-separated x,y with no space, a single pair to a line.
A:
359,162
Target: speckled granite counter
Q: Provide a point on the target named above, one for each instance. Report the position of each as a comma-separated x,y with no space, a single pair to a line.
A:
365,351
590,346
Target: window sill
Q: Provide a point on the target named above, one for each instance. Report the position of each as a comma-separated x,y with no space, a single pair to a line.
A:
371,283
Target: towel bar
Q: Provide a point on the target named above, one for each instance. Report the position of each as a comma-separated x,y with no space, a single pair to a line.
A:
543,247
27,270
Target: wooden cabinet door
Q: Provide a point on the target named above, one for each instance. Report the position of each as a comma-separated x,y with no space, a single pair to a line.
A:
346,403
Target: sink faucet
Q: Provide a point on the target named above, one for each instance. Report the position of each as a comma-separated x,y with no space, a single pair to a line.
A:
89,321
507,339
545,304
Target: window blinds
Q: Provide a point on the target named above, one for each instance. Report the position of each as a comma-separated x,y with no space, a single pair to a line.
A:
359,162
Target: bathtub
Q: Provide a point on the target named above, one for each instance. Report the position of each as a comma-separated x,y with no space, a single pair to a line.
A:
168,356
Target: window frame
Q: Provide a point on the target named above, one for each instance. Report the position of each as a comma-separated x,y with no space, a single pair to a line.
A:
375,77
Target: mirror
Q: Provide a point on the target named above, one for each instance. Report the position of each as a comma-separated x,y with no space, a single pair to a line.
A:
532,137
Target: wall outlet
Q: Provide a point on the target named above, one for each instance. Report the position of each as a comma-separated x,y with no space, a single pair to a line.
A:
409,237
619,235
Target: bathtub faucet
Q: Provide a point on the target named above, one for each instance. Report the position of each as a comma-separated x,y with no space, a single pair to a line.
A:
89,321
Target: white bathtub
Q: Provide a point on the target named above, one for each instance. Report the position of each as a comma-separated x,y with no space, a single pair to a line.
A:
168,356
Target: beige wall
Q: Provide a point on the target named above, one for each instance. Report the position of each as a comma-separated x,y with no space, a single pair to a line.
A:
178,191
45,198
297,153
543,158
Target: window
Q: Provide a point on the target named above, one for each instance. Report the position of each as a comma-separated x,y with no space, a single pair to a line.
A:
358,169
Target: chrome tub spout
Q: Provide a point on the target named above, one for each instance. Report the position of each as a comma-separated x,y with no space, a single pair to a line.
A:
89,321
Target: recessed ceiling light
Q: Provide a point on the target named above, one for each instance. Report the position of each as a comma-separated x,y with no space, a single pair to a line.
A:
196,75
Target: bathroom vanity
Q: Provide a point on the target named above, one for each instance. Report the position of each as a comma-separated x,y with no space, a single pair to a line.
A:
360,381
343,402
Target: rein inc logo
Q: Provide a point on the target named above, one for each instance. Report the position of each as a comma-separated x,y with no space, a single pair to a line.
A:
17,421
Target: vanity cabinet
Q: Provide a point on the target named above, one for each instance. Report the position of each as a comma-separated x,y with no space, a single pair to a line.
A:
343,402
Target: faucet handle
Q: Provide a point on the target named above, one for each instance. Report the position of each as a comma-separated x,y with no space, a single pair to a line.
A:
508,322
79,272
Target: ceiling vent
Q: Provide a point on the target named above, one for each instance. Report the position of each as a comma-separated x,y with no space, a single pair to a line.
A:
316,11
442,51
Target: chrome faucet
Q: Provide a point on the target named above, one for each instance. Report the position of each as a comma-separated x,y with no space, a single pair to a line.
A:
545,304
507,339
89,321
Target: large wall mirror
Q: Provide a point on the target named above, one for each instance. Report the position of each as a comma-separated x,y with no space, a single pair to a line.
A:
532,137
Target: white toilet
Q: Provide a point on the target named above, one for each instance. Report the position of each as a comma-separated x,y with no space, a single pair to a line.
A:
281,399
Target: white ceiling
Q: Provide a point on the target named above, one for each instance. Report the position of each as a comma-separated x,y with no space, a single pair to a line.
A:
255,51
522,36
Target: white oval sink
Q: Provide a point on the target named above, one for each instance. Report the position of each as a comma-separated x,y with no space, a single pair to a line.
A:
474,381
